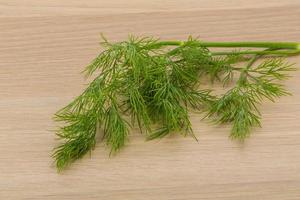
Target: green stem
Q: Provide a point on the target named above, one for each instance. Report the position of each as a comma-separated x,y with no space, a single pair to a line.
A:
276,45
244,72
282,52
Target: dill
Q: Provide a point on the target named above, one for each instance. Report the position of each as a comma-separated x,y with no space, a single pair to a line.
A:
155,84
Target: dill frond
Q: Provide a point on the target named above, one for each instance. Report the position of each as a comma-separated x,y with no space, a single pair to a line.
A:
240,104
115,129
156,84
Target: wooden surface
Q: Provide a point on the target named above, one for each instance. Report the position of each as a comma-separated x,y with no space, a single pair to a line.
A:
45,44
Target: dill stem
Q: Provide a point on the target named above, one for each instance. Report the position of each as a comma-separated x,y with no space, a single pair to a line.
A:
274,45
245,72
247,52
281,45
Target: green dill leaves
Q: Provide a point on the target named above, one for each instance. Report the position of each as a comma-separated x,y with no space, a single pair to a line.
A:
115,128
155,84
240,104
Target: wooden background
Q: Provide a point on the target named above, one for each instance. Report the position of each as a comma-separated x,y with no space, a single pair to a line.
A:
45,44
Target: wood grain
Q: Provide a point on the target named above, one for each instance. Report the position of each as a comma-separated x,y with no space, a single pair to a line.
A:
45,44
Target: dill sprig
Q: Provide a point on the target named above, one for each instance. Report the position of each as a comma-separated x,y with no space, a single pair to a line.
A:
156,84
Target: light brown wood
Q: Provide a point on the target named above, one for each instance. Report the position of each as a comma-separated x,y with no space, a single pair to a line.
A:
45,44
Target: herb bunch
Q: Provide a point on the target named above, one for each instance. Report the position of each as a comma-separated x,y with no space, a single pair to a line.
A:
155,84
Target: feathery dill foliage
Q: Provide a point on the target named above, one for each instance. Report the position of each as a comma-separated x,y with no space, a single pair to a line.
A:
140,82
239,105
